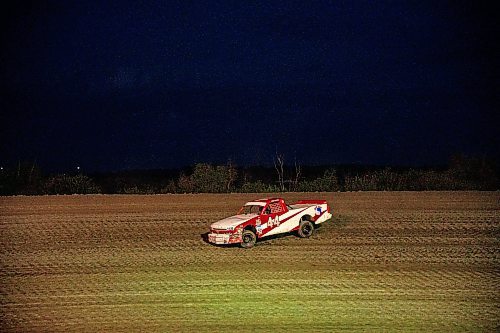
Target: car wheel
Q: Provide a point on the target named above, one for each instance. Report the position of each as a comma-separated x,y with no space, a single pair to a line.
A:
248,239
306,229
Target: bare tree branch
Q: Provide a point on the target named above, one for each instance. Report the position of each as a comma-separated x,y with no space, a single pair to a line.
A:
279,161
298,171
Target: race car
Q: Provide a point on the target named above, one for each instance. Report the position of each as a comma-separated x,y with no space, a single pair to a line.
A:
266,217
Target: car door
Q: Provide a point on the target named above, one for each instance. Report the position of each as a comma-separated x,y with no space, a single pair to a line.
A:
268,220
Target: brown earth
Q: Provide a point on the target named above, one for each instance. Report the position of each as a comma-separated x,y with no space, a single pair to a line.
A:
387,261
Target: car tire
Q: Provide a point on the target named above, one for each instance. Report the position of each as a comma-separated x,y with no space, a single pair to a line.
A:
306,229
248,239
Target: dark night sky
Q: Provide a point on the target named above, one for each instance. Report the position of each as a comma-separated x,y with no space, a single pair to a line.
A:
112,85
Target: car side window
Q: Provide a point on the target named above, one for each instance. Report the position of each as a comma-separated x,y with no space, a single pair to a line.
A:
276,208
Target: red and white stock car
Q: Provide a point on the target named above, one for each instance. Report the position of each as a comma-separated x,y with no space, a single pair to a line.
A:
266,217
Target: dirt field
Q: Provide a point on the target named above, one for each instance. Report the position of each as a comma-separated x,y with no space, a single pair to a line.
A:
386,262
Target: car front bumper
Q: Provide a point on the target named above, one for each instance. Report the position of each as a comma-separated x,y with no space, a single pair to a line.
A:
223,238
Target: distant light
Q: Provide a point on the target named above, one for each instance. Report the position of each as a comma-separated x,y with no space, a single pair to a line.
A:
1,168
77,168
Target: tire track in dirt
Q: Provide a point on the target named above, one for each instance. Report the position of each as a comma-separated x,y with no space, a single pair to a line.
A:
114,263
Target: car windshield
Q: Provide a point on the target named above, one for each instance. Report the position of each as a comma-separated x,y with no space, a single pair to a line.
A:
250,209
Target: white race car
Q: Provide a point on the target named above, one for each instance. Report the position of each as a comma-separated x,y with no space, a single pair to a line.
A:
266,217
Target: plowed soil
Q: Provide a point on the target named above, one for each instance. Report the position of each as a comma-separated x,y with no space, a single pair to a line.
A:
387,261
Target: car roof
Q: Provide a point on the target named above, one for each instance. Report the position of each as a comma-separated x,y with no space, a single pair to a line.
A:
262,202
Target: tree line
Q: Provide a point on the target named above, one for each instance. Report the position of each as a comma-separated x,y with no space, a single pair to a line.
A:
462,173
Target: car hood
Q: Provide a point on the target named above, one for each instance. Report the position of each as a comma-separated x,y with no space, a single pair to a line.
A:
232,221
